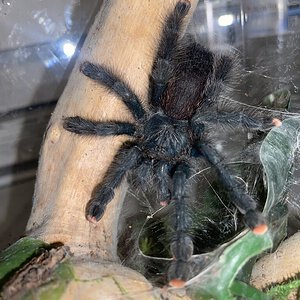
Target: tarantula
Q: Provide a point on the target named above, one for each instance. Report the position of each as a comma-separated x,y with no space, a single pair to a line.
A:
185,85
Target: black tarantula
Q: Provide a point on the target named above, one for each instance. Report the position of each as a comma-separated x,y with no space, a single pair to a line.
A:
184,87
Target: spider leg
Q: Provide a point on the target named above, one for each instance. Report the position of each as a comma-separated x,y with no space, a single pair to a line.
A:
244,202
234,120
162,65
143,174
162,172
182,244
224,67
111,81
83,126
127,157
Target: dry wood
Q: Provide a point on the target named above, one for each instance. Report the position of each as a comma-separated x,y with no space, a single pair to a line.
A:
278,267
124,36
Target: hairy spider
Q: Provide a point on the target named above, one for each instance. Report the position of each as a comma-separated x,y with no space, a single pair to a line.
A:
185,85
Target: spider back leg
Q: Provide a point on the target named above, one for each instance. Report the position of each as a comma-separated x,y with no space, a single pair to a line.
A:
162,67
182,244
244,202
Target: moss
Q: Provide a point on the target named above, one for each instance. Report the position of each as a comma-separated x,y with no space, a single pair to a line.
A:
281,292
54,289
17,254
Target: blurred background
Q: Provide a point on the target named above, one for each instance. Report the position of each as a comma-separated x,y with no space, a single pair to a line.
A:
40,41
38,46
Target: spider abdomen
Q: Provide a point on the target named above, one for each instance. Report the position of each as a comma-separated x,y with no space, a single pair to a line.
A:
186,90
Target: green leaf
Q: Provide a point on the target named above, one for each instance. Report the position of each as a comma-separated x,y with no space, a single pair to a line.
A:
242,289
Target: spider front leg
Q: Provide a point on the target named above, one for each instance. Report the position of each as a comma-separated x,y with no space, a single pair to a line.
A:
244,202
162,68
127,158
182,245
83,126
112,82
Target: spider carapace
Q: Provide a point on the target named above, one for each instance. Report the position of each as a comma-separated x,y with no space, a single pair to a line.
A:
186,83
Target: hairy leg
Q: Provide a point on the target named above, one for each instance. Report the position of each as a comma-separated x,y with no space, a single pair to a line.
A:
223,69
162,175
232,119
162,65
111,81
244,202
182,244
143,174
82,126
127,158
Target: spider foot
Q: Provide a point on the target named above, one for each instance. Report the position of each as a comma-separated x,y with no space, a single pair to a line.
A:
96,206
94,212
177,283
178,273
256,222
75,124
183,7
164,203
276,122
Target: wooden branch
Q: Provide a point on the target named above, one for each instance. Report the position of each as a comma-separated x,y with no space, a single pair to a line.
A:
278,267
124,37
